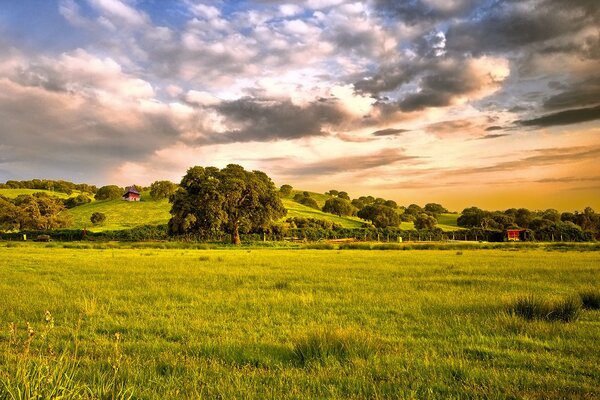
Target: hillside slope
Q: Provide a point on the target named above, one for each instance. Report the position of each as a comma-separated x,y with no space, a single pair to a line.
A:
122,214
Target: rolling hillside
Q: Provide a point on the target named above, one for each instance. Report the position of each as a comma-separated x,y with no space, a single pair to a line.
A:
124,215
12,193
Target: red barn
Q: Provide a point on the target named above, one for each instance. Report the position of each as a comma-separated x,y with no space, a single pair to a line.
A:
131,194
515,234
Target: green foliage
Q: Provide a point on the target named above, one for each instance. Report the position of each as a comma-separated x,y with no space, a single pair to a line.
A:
37,211
425,222
305,199
435,208
110,192
162,189
339,206
231,199
78,200
286,190
98,218
381,216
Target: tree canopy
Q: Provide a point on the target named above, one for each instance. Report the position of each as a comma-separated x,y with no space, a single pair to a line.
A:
380,215
162,189
229,200
110,192
339,207
37,211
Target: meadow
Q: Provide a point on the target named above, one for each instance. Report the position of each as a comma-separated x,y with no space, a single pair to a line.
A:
128,321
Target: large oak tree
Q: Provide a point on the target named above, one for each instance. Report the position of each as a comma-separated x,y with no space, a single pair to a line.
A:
210,200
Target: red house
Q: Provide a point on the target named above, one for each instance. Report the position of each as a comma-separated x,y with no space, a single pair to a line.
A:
131,194
515,234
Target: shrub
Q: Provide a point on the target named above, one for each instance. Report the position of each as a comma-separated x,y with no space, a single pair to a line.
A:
590,299
533,308
98,218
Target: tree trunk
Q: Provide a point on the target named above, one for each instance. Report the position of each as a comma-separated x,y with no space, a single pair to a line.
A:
235,235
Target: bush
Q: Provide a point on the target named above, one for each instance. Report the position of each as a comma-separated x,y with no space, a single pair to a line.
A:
533,308
98,218
590,299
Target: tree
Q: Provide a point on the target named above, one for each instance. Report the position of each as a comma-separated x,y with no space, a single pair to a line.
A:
98,218
309,202
435,208
230,199
286,190
425,221
162,189
110,192
339,207
305,199
9,214
343,195
40,211
72,202
381,216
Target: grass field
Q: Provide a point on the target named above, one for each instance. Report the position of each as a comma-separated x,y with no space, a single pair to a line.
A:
122,214
12,193
297,324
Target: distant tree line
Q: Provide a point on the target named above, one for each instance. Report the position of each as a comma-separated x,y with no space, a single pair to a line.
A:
52,185
546,224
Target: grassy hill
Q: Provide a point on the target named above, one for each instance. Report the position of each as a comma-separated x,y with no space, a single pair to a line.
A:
12,193
124,215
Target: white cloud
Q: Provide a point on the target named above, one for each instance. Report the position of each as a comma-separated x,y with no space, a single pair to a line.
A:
118,10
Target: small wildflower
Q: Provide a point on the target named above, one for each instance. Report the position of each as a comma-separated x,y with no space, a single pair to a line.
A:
30,331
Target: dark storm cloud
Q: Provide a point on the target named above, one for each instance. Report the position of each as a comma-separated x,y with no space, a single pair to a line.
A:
389,132
493,128
388,78
268,120
582,93
416,11
349,164
509,26
567,117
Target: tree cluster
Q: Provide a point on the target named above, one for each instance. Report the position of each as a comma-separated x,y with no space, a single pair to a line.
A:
37,211
541,221
305,199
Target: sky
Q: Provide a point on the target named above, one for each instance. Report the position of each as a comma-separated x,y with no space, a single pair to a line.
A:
466,103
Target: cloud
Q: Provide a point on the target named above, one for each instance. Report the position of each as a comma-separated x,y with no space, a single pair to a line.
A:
570,179
390,132
266,120
451,80
546,26
493,136
363,163
582,93
567,117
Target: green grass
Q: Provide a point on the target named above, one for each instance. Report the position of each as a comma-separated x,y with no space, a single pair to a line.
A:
12,193
289,324
122,214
